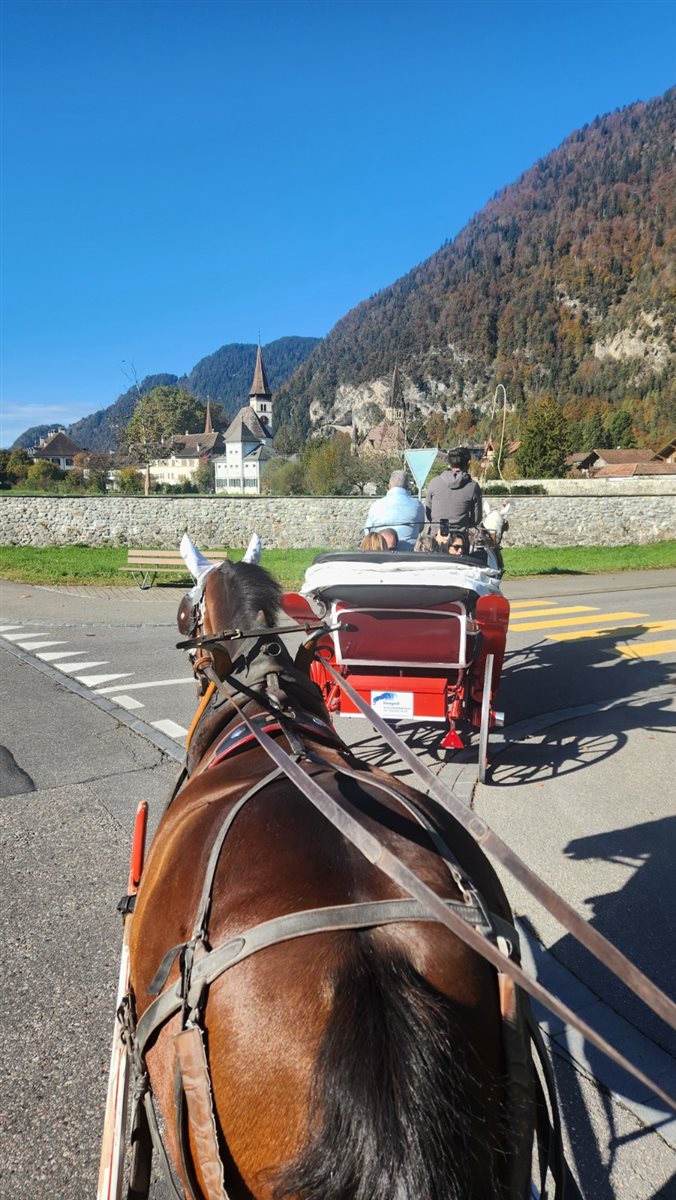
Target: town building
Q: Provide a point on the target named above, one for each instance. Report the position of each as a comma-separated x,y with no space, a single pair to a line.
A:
58,448
248,440
183,454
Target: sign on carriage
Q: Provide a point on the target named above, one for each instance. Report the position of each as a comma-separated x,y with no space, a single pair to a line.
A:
392,704
420,463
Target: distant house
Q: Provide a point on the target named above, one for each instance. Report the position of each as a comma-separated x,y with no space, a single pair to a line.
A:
248,440
387,437
491,450
616,458
58,448
183,454
667,453
633,469
608,464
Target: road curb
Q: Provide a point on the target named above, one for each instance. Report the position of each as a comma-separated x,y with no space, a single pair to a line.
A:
163,743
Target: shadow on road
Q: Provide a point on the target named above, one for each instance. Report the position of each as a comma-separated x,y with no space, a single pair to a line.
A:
553,676
639,919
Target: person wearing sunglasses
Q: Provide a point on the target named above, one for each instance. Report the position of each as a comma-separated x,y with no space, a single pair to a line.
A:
458,543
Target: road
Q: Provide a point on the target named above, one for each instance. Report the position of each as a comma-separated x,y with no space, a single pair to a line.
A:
582,787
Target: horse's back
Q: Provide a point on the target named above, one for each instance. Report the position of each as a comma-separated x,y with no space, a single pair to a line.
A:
275,1016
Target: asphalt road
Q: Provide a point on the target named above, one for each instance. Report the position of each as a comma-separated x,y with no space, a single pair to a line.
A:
582,787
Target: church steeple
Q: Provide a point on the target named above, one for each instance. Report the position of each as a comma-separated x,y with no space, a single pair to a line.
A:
260,396
396,409
208,426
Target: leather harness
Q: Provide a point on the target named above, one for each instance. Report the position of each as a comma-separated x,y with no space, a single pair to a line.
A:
263,673
200,965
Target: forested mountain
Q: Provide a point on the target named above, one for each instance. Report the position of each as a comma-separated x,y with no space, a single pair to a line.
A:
225,376
562,284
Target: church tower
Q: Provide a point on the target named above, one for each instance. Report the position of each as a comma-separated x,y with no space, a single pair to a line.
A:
396,409
260,396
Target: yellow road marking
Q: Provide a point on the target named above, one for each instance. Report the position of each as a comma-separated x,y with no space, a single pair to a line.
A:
615,616
649,627
516,604
646,649
550,612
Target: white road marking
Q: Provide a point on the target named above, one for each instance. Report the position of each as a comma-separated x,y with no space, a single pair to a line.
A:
170,728
128,702
52,655
95,680
150,684
39,645
3,628
72,667
19,637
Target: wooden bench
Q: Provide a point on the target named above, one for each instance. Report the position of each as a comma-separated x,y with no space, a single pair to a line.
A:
146,565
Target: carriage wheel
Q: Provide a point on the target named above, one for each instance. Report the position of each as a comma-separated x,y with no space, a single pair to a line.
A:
485,718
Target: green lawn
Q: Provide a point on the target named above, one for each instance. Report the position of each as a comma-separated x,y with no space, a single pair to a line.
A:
82,564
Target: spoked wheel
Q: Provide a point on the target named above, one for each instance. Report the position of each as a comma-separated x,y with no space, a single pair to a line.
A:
484,727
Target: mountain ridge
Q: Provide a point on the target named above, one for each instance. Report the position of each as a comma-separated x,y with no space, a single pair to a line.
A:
225,375
562,283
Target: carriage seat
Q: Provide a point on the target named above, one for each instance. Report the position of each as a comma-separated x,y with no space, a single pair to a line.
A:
396,580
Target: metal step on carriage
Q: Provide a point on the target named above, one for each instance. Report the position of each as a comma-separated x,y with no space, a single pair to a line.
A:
421,638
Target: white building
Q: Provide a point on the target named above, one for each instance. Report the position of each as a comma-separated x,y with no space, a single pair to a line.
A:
58,448
248,440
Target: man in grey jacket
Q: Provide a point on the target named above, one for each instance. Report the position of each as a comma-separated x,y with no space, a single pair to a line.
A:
453,496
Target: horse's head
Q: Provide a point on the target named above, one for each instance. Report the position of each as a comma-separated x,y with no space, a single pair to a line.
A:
226,595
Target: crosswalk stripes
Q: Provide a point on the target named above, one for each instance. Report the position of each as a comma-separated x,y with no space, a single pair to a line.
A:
557,623
631,630
527,626
646,649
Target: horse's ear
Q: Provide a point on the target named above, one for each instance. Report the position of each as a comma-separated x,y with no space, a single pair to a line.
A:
196,563
253,550
506,507
487,508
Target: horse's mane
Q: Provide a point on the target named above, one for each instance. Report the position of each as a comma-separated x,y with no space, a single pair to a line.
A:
251,590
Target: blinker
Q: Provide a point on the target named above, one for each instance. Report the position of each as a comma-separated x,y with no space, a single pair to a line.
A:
186,618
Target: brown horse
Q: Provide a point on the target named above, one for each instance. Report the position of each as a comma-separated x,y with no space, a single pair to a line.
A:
365,1061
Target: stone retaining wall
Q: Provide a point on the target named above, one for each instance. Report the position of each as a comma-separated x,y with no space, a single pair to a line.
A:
332,522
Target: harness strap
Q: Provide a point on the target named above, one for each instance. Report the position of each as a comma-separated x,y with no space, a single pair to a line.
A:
564,913
280,929
200,926
471,895
159,1146
192,1077
375,852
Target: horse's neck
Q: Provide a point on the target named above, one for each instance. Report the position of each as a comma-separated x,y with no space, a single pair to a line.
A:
258,671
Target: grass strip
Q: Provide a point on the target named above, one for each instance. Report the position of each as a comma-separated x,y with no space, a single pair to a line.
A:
72,565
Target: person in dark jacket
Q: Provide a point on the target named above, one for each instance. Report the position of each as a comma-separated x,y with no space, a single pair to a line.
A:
453,496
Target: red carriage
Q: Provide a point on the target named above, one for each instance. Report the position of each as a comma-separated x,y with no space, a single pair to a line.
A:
421,638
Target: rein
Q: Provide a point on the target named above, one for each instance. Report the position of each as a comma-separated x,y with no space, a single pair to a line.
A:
377,854
565,914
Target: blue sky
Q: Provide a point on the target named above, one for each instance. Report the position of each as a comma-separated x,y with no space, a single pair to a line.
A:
181,175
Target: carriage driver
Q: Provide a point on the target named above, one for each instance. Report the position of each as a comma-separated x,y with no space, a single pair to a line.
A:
454,497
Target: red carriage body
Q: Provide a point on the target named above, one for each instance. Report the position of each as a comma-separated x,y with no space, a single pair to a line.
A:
420,638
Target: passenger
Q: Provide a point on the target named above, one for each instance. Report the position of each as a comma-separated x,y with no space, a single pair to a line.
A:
426,545
374,542
398,509
391,537
459,543
454,496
